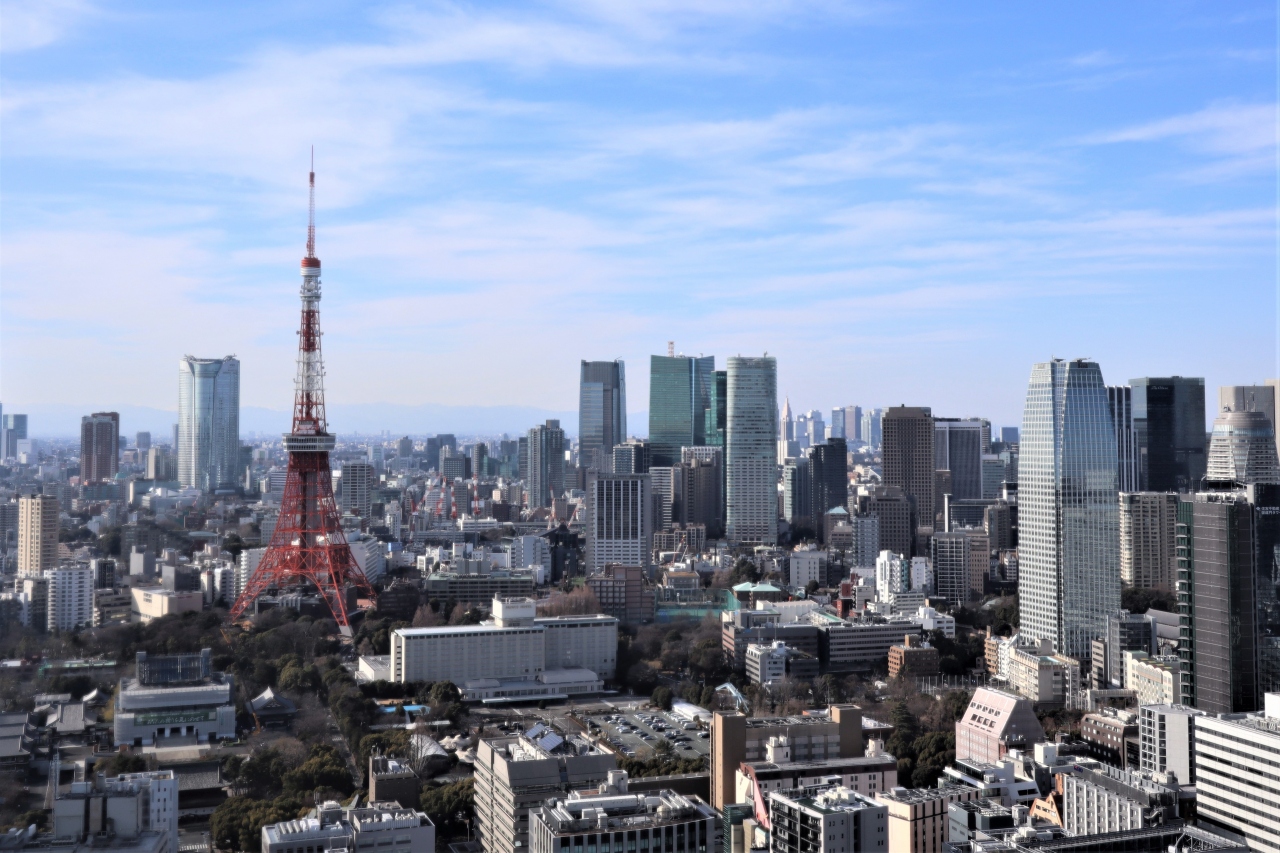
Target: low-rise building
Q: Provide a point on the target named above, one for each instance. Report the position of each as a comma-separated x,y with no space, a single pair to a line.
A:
1112,736
622,594
175,700
826,820
386,827
1153,680
1237,772
994,723
142,807
997,781
918,818
612,818
157,602
913,658
1046,678
778,771
1108,799
1166,738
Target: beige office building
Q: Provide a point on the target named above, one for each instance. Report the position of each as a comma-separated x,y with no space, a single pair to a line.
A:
37,535
918,817
736,738
1147,550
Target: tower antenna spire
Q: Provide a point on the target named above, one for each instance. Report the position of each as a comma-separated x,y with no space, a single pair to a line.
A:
311,209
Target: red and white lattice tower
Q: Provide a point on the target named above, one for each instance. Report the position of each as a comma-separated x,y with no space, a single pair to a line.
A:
308,547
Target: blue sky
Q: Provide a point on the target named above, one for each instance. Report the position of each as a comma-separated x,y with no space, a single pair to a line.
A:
904,202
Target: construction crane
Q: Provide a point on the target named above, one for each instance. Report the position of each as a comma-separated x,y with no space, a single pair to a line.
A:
739,701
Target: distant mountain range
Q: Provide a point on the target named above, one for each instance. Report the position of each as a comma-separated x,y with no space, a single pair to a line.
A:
63,421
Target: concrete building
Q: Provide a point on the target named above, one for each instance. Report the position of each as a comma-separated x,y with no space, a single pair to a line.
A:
611,817
99,447
751,502
618,520
381,825
1237,772
545,480
1166,736
1068,507
208,423
778,771
1127,632
175,700
913,659
1112,736
392,780
1153,680
142,807
814,737
908,454
37,535
70,597
1148,532
157,602
961,564
1042,676
1107,799
847,644
513,645
826,820
807,566
517,774
622,593
994,723
894,513
1002,780
766,662
919,818
359,479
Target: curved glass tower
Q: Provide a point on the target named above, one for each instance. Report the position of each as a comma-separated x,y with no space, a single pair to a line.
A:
1068,507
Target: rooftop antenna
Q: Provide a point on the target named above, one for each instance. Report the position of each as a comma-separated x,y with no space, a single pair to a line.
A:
671,349
311,209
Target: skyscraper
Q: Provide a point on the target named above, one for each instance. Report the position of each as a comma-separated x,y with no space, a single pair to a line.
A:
1243,449
1217,601
837,428
1168,416
14,430
1148,534
37,535
703,498
208,422
871,426
1120,399
957,447
679,395
1254,398
853,424
751,500
909,459
99,446
829,480
619,522
602,411
1068,539
358,479
717,409
546,463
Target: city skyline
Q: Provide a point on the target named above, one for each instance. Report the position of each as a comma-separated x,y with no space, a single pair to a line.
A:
1016,187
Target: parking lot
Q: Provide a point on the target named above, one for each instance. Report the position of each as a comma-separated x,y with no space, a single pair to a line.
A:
637,734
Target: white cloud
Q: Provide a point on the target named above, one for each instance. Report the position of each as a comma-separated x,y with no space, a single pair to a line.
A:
32,24
1241,138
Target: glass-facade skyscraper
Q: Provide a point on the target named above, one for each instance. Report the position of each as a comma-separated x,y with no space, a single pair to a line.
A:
680,391
208,422
602,412
1168,417
751,499
1068,507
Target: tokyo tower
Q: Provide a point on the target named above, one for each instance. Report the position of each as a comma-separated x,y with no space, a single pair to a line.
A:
308,547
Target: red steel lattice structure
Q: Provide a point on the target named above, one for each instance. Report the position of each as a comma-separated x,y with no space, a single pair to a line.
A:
309,547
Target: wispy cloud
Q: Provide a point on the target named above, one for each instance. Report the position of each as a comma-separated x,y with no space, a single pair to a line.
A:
1239,138
31,24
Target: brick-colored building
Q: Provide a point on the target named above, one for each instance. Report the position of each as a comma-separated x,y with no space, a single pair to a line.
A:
913,658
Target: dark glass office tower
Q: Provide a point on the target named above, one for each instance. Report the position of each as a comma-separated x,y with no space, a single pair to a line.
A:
716,409
1168,418
602,412
1120,398
1219,539
829,480
679,395
957,447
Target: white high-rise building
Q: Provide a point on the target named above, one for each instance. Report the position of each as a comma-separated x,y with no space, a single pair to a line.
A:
208,422
1068,507
1243,449
751,459
618,520
1237,766
70,597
